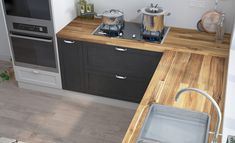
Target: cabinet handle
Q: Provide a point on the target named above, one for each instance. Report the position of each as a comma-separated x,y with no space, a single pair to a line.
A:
121,77
69,42
35,72
120,49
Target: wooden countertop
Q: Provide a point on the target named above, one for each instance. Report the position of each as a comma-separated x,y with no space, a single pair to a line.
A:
182,40
190,59
178,70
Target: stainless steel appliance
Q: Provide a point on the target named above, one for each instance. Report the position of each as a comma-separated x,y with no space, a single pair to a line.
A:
113,25
152,21
31,32
131,31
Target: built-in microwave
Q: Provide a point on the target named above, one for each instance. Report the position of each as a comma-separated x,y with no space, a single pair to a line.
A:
29,12
37,9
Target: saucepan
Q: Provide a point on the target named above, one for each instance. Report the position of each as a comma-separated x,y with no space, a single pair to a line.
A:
153,18
112,17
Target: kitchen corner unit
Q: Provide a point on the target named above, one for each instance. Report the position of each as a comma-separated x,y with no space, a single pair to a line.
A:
190,59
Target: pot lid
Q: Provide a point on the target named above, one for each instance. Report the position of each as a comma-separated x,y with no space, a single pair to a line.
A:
154,11
112,13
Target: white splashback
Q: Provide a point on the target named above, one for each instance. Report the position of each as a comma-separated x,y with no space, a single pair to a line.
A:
64,11
183,15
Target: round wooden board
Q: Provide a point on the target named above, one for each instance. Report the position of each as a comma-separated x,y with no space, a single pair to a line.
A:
210,20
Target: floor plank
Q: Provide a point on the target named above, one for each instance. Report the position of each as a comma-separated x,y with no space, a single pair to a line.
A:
36,117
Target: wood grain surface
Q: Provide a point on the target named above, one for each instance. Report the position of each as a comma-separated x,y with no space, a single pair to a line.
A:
36,117
184,40
179,70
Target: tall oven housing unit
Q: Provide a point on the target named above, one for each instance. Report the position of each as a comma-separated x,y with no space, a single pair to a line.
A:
33,42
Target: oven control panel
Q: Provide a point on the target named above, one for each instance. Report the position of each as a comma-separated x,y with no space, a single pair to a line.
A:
27,27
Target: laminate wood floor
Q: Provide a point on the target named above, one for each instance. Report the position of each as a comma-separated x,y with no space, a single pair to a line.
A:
36,117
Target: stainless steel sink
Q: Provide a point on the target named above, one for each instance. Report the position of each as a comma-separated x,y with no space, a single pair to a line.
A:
173,125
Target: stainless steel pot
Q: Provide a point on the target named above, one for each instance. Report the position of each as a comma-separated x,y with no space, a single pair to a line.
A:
112,17
153,18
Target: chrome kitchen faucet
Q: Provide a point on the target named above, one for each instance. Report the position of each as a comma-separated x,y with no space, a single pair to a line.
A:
217,127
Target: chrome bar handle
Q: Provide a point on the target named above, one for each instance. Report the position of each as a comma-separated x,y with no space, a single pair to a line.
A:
120,77
120,49
35,72
69,42
31,38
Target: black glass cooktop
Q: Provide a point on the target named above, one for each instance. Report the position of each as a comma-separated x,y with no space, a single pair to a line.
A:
131,31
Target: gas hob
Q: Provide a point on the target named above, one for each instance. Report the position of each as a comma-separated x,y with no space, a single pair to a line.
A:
131,31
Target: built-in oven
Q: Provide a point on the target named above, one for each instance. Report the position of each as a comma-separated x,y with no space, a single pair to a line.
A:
31,31
33,50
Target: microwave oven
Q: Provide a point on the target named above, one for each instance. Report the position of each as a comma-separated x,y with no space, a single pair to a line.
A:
35,9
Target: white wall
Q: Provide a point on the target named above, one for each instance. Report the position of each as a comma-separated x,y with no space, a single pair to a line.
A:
4,44
64,11
183,15
229,115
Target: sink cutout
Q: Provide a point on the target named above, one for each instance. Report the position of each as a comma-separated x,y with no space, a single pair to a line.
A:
173,125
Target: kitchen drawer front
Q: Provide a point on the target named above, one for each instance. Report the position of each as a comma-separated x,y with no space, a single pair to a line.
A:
116,86
128,61
37,77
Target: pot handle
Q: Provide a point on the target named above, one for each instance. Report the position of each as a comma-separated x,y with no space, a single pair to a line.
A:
139,10
167,14
115,10
98,15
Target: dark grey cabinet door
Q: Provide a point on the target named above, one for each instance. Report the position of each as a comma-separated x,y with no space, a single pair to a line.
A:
71,64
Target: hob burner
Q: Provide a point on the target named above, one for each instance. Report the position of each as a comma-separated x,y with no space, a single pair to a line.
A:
152,36
111,30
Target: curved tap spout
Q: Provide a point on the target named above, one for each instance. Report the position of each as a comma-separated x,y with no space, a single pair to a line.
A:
217,127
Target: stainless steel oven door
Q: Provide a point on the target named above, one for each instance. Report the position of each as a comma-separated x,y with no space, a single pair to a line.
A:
35,51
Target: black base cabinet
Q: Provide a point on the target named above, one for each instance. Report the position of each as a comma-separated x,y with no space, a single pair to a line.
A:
108,71
71,65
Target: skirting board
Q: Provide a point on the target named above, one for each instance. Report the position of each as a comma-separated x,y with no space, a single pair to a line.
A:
80,96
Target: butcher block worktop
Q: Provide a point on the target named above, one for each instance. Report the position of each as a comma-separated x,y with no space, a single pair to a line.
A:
182,40
178,70
190,59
